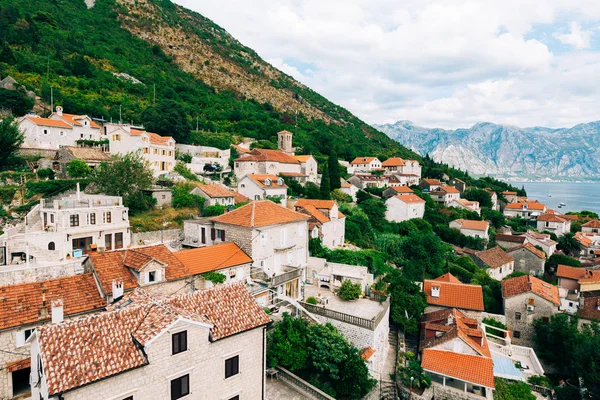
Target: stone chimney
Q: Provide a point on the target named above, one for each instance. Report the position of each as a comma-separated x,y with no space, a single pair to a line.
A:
57,311
117,289
59,111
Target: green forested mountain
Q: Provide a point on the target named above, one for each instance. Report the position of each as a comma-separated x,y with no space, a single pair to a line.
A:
182,71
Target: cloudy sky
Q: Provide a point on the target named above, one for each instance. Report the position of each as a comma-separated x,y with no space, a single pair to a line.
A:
438,63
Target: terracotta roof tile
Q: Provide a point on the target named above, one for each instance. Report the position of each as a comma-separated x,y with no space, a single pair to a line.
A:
309,209
409,198
367,353
474,225
591,224
215,190
241,150
326,204
474,369
531,205
551,218
74,119
136,260
583,239
591,276
88,349
263,155
591,306
527,283
239,198
531,248
212,258
157,139
48,122
510,238
402,189
457,295
447,277
21,304
393,162
260,179
494,257
303,158
260,213
565,271
362,160
432,181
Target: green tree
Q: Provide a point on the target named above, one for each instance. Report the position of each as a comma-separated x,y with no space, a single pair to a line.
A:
375,210
213,211
334,171
16,101
168,118
214,277
555,259
349,290
77,168
288,344
10,141
510,390
407,302
413,370
480,195
127,175
569,244
424,254
325,188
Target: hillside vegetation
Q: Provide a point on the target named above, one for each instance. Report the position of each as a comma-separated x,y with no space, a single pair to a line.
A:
180,67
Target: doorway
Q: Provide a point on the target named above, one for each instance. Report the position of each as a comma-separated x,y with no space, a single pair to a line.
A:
20,382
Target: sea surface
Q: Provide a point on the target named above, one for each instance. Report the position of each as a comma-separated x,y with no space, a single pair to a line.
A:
577,196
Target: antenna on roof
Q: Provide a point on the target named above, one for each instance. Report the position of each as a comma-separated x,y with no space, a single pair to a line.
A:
120,119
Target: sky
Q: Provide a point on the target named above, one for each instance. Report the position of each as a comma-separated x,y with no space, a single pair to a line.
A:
438,63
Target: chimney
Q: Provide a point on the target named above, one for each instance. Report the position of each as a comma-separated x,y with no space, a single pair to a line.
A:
435,291
78,192
117,288
44,307
59,111
57,311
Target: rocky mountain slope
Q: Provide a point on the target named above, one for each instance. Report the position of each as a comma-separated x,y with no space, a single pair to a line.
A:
508,151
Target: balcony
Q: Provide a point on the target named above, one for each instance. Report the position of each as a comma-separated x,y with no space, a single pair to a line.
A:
86,201
290,274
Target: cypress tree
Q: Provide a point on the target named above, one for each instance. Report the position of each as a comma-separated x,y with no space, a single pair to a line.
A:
325,189
334,171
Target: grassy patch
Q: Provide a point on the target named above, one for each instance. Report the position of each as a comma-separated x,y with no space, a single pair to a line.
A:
161,218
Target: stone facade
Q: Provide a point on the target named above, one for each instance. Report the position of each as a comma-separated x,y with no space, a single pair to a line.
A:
204,361
163,236
527,262
519,319
33,273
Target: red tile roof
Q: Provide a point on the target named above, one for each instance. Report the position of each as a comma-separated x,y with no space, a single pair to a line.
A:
402,189
260,179
311,210
239,198
21,304
457,295
215,190
212,258
393,162
362,160
432,181
157,139
592,224
74,119
466,367
529,247
531,205
591,276
449,189
565,271
551,218
591,306
447,277
326,204
367,353
48,122
260,213
530,284
495,257
473,225
88,349
409,198
263,155
303,158
510,238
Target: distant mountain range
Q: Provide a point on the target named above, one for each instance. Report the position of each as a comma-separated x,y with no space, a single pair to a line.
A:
506,151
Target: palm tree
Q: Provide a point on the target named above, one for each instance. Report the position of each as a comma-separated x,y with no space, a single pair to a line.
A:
569,244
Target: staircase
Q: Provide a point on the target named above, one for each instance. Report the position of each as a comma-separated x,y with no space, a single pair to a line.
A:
298,307
388,386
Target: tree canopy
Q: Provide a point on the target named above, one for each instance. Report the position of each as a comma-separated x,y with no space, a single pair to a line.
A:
10,141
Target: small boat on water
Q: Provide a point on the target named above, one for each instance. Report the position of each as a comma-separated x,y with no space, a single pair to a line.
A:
549,194
561,204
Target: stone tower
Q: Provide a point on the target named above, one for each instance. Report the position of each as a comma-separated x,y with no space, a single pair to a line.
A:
284,142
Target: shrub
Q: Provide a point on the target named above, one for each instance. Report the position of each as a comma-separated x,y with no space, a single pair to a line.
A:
311,300
184,171
497,324
77,168
214,277
7,194
45,173
213,211
349,290
182,198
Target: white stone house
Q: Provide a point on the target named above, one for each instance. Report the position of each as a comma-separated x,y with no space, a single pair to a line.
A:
263,186
329,275
403,180
363,181
592,226
403,207
365,164
276,239
554,223
215,194
26,307
204,155
349,189
541,239
466,205
445,195
399,166
67,228
494,198
497,263
266,161
58,130
158,348
430,185
326,221
308,167
476,229
158,150
529,209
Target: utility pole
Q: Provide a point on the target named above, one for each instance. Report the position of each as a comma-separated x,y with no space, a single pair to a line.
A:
51,99
120,117
196,123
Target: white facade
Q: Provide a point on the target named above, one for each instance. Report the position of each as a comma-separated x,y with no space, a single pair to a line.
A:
542,240
262,187
365,164
349,189
502,271
158,150
404,207
466,205
556,225
308,167
58,130
203,155
471,231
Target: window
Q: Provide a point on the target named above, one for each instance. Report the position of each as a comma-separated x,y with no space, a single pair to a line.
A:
263,238
93,219
236,397
179,341
119,240
152,276
51,218
108,242
232,366
51,246
74,219
107,217
128,398
146,150
180,387
28,332
517,334
517,315
45,131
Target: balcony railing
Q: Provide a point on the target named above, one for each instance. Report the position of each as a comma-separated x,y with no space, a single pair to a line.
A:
348,318
83,203
286,276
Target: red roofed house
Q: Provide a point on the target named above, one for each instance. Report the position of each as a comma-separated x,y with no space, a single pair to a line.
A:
448,292
528,209
445,195
403,207
396,190
541,239
363,181
592,226
262,187
476,229
466,205
206,344
158,150
456,354
528,259
58,130
326,221
430,185
406,170
26,307
553,222
497,263
215,194
364,164
526,298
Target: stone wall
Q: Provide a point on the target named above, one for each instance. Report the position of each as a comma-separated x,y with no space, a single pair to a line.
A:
524,326
527,262
155,237
12,275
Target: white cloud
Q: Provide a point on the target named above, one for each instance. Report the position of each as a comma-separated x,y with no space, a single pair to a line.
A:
578,38
446,63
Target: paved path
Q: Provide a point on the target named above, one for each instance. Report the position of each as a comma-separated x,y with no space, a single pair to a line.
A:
277,390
